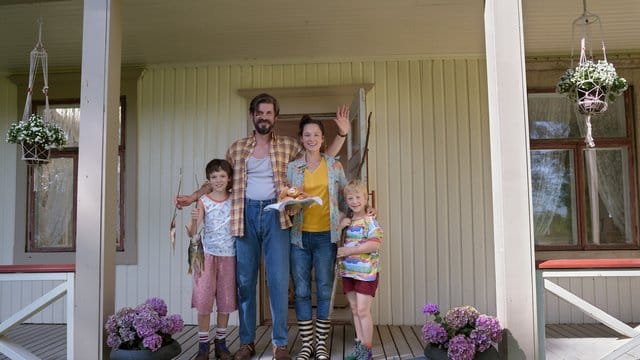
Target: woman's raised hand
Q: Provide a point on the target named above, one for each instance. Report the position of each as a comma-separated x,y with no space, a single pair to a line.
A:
342,120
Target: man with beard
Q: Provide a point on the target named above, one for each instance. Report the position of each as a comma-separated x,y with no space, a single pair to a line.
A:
259,167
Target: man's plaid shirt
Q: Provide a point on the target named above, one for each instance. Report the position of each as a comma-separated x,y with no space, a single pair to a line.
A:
282,150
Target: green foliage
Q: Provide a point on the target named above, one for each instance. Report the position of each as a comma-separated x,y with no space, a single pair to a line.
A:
36,131
587,76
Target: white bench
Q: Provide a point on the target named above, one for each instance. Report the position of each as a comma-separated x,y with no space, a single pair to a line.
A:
571,268
63,272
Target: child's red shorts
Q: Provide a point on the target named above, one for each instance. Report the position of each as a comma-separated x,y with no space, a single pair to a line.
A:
217,283
359,286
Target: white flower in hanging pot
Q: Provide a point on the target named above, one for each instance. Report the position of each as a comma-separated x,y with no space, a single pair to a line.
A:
37,137
592,86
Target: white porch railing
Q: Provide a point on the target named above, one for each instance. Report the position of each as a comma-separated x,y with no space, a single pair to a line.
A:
571,268
61,272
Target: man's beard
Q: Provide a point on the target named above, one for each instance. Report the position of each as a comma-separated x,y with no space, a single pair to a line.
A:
263,130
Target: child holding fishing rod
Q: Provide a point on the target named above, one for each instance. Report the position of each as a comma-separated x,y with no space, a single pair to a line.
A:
212,260
358,265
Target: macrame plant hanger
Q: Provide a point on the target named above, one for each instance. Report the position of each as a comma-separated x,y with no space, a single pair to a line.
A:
35,155
588,103
38,56
593,101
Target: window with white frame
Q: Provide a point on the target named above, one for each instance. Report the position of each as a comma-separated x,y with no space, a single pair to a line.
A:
583,198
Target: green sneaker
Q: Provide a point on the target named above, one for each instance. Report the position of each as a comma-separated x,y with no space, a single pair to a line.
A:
353,355
365,353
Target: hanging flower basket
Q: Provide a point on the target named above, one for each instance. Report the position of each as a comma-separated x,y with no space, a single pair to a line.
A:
36,137
592,86
35,154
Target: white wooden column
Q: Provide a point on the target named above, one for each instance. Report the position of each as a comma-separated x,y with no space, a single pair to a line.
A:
97,176
511,181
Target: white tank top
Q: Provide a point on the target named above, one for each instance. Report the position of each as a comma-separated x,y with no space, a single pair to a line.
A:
216,236
260,185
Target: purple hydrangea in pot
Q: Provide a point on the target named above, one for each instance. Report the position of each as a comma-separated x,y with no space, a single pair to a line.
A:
144,332
462,334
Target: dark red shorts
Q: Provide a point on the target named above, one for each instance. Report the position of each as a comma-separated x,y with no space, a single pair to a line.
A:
359,286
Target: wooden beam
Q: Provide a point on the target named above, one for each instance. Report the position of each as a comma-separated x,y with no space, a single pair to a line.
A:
510,174
590,310
97,176
33,308
15,351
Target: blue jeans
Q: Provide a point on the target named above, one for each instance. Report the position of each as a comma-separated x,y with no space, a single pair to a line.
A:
262,232
319,253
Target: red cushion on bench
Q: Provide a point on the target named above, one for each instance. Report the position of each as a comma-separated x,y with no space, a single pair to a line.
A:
588,264
37,268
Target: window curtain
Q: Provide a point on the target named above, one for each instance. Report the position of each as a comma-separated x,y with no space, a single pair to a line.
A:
606,171
548,119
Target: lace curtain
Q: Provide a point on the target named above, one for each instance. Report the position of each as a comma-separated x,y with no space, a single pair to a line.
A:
550,169
606,172
53,185
53,204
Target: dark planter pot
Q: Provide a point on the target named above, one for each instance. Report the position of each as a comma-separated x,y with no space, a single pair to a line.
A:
432,353
167,352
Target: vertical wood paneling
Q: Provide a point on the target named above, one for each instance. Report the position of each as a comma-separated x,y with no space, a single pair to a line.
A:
409,95
394,229
484,284
452,176
464,144
430,224
381,309
441,199
415,265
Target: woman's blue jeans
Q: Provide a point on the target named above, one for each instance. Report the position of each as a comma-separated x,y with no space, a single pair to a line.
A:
262,232
317,253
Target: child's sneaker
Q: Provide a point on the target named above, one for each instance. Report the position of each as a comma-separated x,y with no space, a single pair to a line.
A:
220,349
353,355
203,351
365,353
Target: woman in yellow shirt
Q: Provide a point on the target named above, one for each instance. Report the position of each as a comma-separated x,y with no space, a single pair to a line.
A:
314,234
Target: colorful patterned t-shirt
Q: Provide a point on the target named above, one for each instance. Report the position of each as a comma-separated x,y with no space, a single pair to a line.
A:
361,266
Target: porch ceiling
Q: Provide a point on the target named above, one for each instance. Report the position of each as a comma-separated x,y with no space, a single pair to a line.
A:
168,31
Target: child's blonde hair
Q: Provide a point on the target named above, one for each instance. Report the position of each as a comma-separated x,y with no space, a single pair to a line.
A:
356,187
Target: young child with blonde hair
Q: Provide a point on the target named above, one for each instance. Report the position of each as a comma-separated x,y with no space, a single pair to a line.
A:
358,265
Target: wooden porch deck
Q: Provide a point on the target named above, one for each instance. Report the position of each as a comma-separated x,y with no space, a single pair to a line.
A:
575,341
390,342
